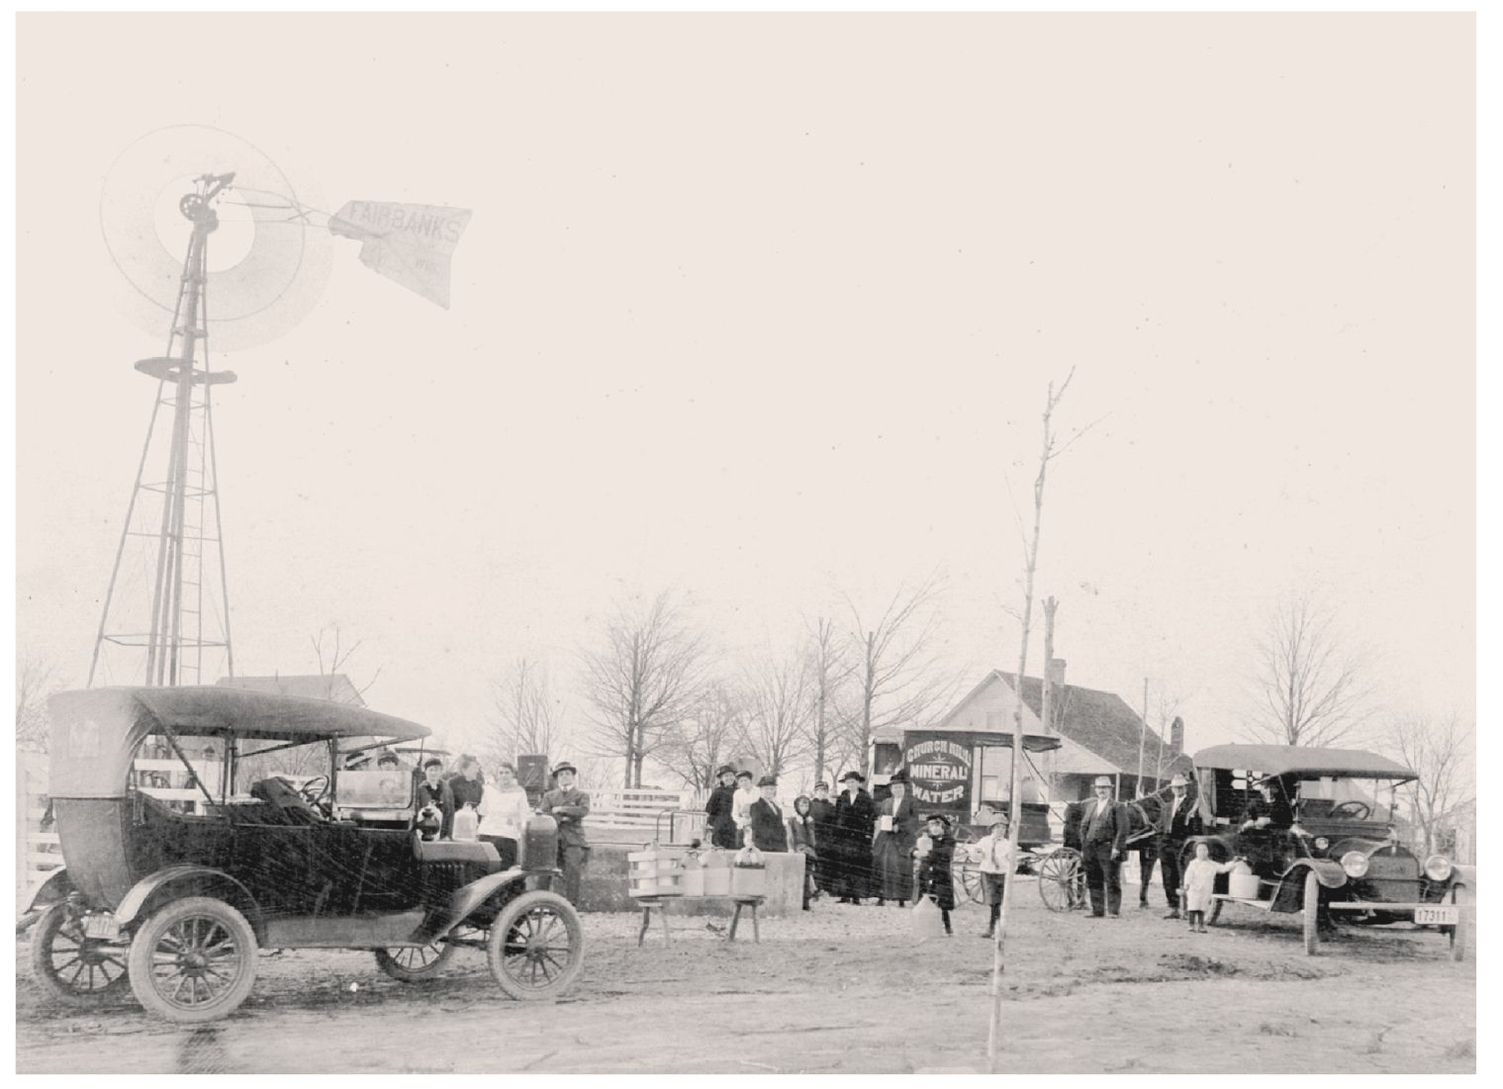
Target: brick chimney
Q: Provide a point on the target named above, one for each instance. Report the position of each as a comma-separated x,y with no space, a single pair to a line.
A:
1177,735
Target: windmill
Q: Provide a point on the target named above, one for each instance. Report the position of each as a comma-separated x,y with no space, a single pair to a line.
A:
166,617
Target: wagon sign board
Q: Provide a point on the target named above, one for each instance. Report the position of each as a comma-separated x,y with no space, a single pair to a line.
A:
939,770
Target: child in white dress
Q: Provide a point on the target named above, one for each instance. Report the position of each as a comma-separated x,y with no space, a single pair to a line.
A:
1199,883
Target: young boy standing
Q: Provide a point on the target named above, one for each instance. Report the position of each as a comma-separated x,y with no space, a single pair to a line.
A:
994,853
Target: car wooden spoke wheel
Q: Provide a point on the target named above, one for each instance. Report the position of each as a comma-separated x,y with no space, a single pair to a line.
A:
193,961
1061,879
411,964
80,970
536,947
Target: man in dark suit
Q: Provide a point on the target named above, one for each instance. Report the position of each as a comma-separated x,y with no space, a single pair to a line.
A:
1178,821
1103,841
768,828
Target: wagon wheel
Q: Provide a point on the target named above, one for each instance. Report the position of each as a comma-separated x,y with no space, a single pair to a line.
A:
80,970
1061,879
536,947
415,963
969,879
193,961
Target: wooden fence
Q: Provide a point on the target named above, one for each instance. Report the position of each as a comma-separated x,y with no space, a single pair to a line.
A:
638,816
37,849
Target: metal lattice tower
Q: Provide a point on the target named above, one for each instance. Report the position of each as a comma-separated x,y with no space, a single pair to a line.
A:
169,593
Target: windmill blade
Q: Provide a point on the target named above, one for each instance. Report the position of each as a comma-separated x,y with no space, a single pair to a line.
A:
412,244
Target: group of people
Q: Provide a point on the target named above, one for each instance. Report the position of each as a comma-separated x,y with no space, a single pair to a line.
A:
857,848
1099,828
461,804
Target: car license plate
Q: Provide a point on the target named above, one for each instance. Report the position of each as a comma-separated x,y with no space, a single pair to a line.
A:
101,926
1440,915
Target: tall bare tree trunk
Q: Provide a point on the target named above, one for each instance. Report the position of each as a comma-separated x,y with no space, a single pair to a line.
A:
1015,805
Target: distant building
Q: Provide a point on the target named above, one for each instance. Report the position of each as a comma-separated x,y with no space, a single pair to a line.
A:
1099,734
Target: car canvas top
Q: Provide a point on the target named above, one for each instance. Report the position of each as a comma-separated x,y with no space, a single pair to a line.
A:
1303,761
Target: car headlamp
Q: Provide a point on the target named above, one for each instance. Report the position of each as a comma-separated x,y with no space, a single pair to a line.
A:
1321,843
1437,867
1354,863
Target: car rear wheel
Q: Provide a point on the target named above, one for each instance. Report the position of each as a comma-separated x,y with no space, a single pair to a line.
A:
536,946
81,971
1312,913
413,964
193,961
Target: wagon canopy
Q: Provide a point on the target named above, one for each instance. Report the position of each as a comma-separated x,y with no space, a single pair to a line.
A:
1302,761
96,731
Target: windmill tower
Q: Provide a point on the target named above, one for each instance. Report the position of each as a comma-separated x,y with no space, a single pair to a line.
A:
166,614
174,505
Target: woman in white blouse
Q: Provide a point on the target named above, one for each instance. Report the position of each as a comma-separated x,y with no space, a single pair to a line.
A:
505,810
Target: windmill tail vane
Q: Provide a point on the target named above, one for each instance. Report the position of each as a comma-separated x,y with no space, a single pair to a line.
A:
411,244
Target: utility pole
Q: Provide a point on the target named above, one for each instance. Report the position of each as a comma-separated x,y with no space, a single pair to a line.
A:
1142,737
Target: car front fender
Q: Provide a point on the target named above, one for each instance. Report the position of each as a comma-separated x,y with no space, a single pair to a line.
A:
464,901
205,878
1290,894
54,890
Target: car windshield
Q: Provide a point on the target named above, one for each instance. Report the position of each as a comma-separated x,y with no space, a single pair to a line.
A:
264,759
1334,799
379,788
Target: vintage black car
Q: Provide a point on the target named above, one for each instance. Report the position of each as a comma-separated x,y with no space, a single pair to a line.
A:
176,905
1313,827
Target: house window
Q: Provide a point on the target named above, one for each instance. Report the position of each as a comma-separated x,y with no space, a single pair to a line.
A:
991,788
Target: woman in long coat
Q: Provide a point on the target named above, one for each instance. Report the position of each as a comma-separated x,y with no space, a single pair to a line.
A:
854,816
892,850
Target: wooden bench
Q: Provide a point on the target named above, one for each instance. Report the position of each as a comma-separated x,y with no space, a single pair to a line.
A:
660,904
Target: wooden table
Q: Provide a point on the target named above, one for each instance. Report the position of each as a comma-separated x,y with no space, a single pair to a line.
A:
660,904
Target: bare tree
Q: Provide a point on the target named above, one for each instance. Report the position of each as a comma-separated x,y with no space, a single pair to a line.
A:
775,730
35,681
693,748
897,679
1441,754
644,681
334,658
829,668
1310,688
1050,450
523,720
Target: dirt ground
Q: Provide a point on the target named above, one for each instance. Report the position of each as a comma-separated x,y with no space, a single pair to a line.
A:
836,990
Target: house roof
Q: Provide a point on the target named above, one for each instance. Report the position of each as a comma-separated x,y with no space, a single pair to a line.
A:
327,686
1103,724
1302,759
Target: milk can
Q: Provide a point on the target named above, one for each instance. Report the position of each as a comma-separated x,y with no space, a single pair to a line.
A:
749,875
693,881
717,872
466,823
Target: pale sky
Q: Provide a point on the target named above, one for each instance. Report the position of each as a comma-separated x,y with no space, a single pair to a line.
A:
756,306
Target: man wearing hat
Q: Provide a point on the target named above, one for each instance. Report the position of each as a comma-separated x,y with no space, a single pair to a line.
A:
769,832
1177,822
892,845
720,820
569,807
1103,842
855,815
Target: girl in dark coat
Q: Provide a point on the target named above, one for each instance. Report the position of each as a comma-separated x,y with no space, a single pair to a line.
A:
801,838
720,823
936,880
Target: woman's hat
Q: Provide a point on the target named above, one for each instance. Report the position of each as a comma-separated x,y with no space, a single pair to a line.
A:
899,776
767,781
856,775
725,769
744,775
941,817
821,786
565,766
432,762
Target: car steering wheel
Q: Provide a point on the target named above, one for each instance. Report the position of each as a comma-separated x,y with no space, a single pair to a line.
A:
314,790
1353,810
